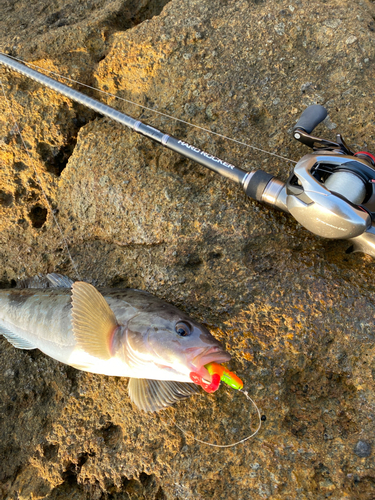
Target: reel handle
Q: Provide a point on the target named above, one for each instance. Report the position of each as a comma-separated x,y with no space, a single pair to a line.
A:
311,117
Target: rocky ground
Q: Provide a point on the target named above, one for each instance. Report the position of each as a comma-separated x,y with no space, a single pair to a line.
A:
295,311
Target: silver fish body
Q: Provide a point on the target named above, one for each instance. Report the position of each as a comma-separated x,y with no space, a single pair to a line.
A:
127,333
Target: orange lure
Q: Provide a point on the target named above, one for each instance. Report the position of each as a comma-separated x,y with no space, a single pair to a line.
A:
218,373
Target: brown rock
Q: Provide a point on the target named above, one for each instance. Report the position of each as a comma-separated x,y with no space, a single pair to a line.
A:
296,312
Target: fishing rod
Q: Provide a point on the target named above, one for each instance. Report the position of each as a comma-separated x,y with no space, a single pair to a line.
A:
331,191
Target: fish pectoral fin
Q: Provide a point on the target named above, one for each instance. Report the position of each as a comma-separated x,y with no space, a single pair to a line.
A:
154,395
16,340
93,321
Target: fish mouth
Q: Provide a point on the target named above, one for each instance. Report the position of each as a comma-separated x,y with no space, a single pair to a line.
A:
212,354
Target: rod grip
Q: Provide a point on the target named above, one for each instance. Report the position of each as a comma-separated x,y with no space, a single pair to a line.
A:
311,117
257,184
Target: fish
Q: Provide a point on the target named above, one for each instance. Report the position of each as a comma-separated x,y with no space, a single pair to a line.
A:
116,332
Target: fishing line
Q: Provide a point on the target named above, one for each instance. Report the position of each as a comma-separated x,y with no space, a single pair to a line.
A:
189,433
222,136
31,160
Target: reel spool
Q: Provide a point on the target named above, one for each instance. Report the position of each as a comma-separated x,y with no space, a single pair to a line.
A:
355,186
348,185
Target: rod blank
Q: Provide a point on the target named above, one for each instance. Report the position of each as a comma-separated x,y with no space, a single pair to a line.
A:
207,160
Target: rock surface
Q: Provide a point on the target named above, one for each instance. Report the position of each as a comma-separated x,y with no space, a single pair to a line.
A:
295,311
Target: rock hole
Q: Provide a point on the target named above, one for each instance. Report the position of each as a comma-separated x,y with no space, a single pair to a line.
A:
55,159
74,468
20,191
38,216
57,19
72,376
6,199
146,480
70,474
192,261
214,255
50,451
33,354
111,434
133,13
20,166
160,494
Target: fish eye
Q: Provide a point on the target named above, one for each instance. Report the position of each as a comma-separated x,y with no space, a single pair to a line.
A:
183,329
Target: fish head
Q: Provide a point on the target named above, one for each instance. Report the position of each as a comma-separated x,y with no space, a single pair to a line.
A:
172,340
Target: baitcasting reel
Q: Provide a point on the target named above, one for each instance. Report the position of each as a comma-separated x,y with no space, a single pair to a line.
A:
331,192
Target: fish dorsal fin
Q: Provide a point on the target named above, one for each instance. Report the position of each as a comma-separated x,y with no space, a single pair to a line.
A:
154,395
52,280
15,339
38,281
59,280
93,320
